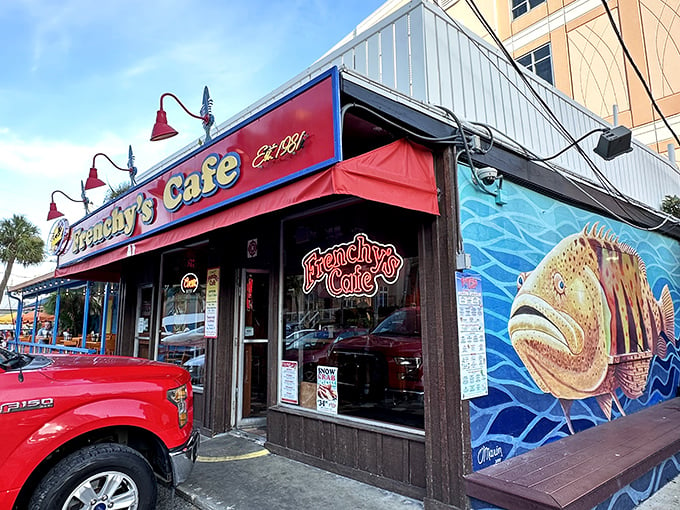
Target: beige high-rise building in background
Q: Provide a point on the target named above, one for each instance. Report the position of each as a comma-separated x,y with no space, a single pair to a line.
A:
571,44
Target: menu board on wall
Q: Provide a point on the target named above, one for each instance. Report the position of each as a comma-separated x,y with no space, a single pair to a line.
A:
289,382
471,341
212,291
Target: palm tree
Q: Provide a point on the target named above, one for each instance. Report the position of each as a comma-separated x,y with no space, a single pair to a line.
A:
113,193
671,205
19,242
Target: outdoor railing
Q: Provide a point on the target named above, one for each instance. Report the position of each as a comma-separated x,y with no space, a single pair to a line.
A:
40,348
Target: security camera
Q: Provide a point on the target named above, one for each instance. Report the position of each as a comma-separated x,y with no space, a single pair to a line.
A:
487,175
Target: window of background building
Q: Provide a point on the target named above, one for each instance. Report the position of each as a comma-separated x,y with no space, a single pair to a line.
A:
182,323
539,62
520,7
373,342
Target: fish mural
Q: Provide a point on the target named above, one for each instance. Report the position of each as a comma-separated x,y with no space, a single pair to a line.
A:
585,321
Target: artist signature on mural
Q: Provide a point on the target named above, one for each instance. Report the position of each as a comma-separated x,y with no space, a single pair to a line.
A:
486,454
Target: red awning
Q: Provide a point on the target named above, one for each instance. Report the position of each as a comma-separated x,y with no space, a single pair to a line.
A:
399,174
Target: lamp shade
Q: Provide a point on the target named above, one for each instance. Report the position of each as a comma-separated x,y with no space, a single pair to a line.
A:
93,181
54,213
161,130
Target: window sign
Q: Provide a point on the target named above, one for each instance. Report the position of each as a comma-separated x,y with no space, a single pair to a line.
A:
212,291
289,382
189,283
352,269
327,389
142,325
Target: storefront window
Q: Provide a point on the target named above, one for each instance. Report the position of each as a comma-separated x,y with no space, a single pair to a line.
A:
182,324
352,343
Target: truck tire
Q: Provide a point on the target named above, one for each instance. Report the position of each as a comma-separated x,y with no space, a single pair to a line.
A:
93,476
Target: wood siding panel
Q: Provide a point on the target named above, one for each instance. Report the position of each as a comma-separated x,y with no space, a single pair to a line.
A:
416,452
327,440
295,433
367,444
346,446
394,459
312,438
389,459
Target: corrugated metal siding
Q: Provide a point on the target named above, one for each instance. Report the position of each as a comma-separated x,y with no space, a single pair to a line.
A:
423,54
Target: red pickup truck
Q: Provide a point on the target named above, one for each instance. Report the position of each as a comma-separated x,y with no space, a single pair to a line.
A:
95,432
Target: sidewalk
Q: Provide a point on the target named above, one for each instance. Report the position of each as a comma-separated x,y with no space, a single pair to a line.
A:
234,471
666,498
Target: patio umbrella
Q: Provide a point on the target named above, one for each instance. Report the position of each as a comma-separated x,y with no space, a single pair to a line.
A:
42,316
8,318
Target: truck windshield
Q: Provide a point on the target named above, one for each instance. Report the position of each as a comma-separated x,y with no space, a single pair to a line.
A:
10,360
402,322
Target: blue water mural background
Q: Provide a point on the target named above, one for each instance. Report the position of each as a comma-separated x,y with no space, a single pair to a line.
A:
504,241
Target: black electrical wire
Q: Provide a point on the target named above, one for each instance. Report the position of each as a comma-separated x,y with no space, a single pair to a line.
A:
637,70
606,184
604,181
571,178
596,130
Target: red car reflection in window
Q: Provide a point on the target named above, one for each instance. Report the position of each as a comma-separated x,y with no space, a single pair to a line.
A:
385,365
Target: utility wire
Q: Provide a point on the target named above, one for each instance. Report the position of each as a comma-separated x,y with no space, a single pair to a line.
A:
556,168
607,185
604,181
592,131
573,180
637,70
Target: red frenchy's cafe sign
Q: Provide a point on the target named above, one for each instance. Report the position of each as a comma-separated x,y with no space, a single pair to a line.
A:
352,269
288,140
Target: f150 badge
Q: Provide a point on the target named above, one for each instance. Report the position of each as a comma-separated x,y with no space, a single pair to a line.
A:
26,405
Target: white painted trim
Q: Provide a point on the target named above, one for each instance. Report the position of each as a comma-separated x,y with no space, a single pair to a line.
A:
650,133
544,26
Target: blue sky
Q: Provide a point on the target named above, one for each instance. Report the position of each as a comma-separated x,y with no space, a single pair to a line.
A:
79,77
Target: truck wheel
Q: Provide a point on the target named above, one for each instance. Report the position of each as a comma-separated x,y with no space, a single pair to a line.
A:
98,477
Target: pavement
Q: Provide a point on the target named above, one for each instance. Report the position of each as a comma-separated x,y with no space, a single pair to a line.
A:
666,498
235,472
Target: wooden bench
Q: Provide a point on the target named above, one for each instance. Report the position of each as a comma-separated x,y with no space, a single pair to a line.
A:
583,470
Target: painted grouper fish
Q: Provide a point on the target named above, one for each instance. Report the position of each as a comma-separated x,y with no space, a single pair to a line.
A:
585,321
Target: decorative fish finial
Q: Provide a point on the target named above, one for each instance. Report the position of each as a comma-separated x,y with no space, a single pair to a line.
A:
206,109
83,196
131,166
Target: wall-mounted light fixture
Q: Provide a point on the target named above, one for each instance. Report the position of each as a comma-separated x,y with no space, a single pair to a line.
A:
162,130
55,213
613,142
93,180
